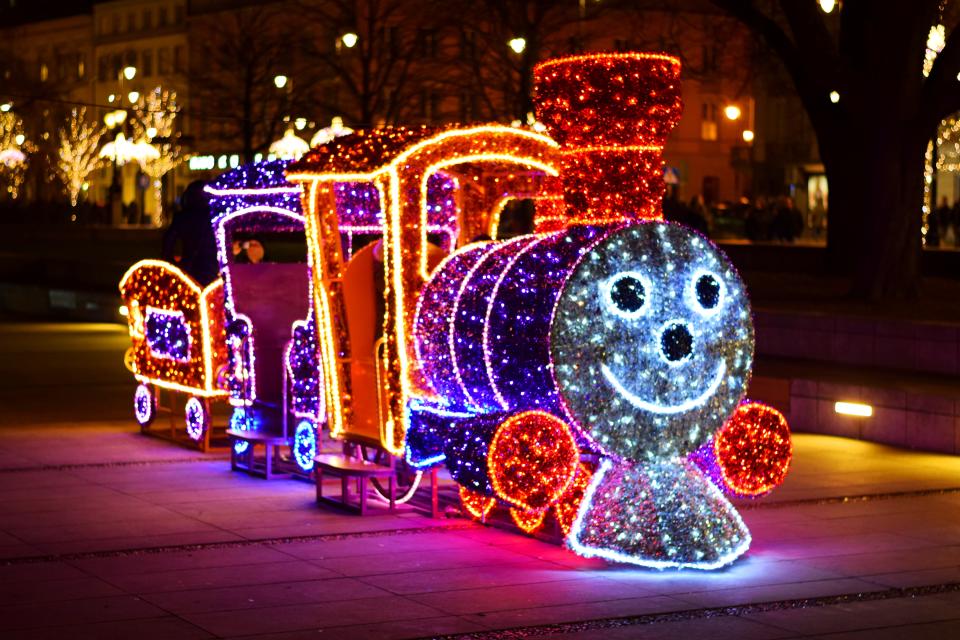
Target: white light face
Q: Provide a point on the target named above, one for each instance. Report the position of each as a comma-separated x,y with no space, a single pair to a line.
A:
652,341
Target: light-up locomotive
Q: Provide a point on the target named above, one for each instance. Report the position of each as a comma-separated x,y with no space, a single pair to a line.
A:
586,379
592,371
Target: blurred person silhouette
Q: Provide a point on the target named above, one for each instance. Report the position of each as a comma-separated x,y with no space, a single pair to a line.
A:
189,242
945,218
788,221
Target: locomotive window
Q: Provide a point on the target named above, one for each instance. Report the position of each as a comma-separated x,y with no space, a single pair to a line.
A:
278,247
516,219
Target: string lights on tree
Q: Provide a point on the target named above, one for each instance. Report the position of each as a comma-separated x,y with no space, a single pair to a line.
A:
15,150
155,124
78,155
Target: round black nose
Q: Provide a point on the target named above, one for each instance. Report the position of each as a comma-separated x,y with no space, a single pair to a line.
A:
676,342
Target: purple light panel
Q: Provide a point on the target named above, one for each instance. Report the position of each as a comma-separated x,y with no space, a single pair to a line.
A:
483,326
168,334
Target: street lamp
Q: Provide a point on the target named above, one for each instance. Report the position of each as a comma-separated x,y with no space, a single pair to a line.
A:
828,5
119,149
517,44
6,106
834,97
349,39
747,135
280,81
732,112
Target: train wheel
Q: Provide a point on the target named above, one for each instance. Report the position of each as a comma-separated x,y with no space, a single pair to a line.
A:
305,445
129,360
408,477
144,405
198,418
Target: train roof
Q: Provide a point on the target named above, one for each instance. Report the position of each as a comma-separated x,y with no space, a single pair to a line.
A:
254,176
362,151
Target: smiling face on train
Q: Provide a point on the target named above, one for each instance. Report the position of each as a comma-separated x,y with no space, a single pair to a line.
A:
652,341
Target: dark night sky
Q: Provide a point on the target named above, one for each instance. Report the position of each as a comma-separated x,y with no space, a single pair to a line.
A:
16,11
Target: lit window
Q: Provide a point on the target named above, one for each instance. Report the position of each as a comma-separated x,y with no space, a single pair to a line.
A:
708,121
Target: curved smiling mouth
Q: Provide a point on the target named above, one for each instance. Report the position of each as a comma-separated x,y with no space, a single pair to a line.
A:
653,407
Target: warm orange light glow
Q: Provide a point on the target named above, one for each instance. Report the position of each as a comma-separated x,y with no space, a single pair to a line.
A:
528,521
611,114
161,285
476,504
754,449
401,179
732,112
532,460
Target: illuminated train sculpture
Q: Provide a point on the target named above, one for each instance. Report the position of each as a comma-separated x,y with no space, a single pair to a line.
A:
590,369
587,377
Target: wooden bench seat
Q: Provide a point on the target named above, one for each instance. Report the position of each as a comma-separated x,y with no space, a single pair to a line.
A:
352,468
246,461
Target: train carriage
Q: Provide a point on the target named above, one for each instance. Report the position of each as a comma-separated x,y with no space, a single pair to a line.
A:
431,191
272,378
178,347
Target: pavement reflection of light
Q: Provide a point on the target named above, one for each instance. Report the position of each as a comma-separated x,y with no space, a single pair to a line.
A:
61,327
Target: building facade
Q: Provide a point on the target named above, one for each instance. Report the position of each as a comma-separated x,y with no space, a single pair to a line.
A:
389,61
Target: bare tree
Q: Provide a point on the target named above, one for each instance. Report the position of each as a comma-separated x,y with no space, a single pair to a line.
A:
858,72
376,55
42,106
498,43
238,54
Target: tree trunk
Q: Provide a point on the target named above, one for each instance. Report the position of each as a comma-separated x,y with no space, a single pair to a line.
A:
888,260
247,132
846,178
875,174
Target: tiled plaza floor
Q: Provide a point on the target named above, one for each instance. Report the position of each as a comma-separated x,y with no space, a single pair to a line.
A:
108,534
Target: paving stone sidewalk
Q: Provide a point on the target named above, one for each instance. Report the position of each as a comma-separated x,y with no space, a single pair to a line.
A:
108,534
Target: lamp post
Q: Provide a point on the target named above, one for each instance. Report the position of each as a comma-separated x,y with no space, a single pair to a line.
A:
285,84
116,120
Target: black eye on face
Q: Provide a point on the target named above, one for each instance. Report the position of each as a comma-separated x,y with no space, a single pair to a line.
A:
626,295
707,293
